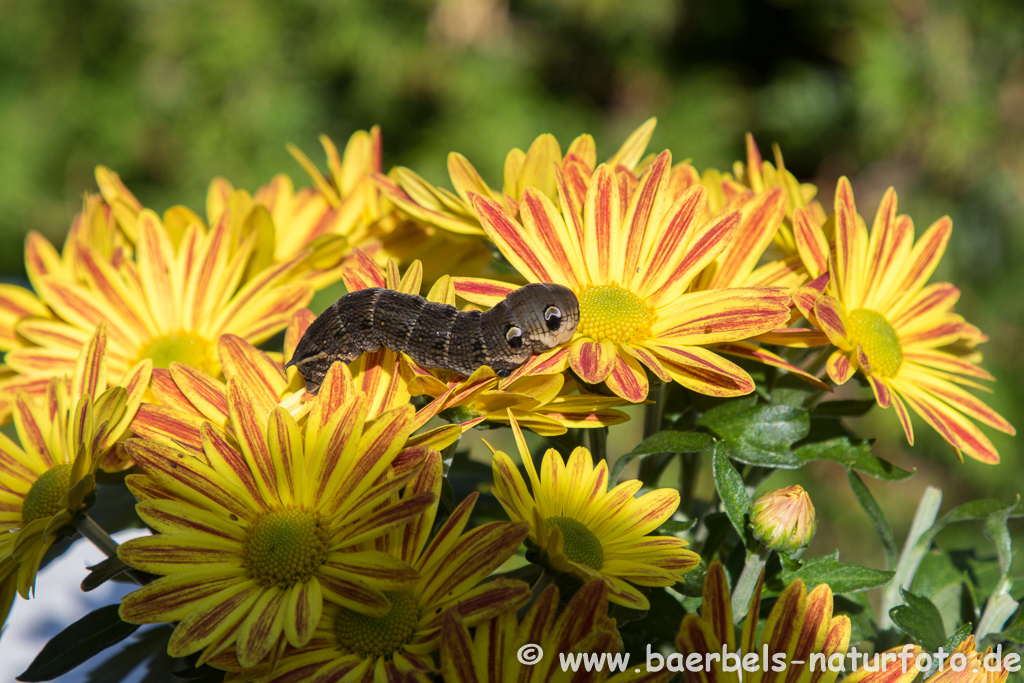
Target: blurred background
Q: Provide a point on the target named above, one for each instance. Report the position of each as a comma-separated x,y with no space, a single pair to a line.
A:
927,96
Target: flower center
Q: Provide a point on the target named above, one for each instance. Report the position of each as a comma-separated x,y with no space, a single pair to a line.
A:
43,499
379,636
285,548
611,313
877,338
183,347
581,545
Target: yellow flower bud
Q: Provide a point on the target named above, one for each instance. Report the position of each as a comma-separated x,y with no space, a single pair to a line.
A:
783,519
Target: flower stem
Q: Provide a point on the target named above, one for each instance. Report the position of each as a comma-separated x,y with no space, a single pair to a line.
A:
654,412
88,527
598,442
745,585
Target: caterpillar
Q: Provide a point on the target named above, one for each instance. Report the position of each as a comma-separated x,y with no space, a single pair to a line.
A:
530,319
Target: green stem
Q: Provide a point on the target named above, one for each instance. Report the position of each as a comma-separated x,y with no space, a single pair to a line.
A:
745,585
598,442
654,412
102,540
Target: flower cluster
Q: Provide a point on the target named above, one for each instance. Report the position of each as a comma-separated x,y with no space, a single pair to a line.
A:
333,531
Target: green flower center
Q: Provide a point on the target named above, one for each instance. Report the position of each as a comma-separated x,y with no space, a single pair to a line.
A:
877,337
285,548
379,636
43,499
581,545
611,313
182,347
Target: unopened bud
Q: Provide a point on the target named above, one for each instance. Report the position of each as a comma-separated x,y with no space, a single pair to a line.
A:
783,519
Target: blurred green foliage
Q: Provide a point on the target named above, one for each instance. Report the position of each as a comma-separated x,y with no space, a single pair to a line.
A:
925,95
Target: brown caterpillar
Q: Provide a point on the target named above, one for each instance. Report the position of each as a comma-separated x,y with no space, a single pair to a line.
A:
529,320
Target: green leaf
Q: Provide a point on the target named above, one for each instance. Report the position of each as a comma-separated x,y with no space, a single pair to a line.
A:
857,456
844,408
101,573
843,578
149,645
669,441
878,518
657,625
733,493
80,641
758,433
920,619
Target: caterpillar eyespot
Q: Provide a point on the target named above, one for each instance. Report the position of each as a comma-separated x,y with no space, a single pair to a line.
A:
529,320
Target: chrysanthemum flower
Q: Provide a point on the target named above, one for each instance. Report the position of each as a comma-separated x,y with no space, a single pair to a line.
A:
580,527
800,625
966,665
188,398
535,169
547,404
254,540
630,255
64,438
886,322
350,646
493,654
183,288
757,175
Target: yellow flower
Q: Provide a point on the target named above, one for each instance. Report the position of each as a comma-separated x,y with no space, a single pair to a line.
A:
801,639
254,540
64,437
886,322
535,169
580,527
783,519
966,665
184,287
350,645
756,176
630,252
503,648
188,398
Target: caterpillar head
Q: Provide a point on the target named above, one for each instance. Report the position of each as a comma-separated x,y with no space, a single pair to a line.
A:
547,314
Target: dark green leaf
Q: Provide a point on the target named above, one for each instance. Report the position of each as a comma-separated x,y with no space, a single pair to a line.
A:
692,585
758,433
102,572
674,527
733,493
83,639
151,643
843,578
658,625
920,619
669,441
854,455
846,408
878,518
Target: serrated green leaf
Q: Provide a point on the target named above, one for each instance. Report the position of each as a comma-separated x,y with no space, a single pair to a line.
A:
843,578
669,441
878,518
733,493
920,619
80,641
758,433
857,456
